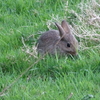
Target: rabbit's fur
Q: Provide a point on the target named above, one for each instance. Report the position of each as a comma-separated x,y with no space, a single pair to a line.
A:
60,41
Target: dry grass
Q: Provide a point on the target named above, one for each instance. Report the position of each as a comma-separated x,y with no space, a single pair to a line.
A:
30,51
88,27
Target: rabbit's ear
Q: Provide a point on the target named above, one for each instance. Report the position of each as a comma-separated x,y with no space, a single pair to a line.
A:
61,30
65,26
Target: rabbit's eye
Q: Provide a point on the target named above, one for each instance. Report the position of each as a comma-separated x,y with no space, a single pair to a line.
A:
68,44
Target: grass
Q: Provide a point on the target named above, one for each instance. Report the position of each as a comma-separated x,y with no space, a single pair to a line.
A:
53,77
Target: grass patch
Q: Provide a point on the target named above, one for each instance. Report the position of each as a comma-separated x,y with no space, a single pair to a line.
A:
53,77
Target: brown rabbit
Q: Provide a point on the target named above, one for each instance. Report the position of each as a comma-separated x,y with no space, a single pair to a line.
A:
61,41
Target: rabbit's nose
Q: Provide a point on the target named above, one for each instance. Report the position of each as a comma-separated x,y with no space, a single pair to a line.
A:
76,55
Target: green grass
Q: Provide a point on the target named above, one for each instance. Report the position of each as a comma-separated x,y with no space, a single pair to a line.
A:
53,77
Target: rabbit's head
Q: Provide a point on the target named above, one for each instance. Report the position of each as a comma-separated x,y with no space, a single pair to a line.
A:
68,44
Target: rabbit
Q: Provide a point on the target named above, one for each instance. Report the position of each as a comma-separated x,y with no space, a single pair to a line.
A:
60,41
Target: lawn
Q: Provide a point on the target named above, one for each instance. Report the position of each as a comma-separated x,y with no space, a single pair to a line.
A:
25,75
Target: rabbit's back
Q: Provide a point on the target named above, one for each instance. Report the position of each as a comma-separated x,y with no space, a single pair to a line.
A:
47,41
